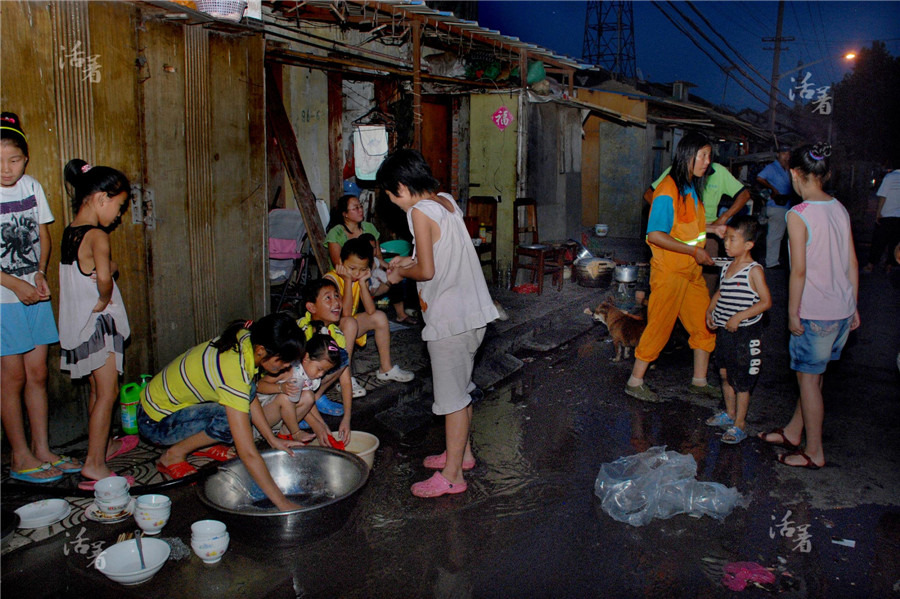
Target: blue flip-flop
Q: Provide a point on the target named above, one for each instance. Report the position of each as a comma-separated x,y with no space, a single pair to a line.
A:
28,476
66,460
328,407
733,435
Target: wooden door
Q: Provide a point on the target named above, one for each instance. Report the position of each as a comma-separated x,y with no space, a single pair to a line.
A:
436,139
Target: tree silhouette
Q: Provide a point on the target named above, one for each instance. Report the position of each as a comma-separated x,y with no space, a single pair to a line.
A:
866,118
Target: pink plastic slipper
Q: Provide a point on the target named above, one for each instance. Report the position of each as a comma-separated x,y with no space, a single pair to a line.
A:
438,461
88,483
129,442
436,486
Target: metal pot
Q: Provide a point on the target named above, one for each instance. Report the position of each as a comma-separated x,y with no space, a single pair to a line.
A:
582,253
593,272
626,273
324,479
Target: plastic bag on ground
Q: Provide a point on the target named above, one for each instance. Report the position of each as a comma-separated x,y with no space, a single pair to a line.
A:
660,484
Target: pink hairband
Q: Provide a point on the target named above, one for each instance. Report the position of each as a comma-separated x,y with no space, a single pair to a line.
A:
85,168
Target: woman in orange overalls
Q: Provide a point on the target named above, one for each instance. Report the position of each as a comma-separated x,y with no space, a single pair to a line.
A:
676,234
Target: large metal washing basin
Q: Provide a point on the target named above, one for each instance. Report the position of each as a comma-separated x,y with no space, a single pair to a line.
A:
323,480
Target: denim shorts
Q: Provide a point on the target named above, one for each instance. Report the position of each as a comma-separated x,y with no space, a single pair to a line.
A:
22,328
821,342
209,418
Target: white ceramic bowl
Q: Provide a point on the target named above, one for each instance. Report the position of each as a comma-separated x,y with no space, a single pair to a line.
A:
211,550
122,564
601,230
111,487
150,502
362,444
113,506
151,521
207,529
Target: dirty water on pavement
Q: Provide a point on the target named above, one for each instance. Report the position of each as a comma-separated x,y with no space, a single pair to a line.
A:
529,525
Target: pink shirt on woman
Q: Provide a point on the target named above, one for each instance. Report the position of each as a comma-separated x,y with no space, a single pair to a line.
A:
827,292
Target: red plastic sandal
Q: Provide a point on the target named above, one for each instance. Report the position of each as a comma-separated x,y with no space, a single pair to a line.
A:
176,470
219,453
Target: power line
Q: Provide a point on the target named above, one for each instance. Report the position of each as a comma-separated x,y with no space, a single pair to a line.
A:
728,45
680,28
753,15
726,15
764,88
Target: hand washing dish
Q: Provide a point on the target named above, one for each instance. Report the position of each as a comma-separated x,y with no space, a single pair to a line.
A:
43,513
323,480
122,563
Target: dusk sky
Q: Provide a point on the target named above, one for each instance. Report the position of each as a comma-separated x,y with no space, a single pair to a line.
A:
821,30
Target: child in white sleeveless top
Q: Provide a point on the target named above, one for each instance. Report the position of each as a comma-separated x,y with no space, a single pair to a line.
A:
456,306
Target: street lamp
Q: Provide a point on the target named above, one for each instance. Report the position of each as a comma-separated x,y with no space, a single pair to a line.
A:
846,56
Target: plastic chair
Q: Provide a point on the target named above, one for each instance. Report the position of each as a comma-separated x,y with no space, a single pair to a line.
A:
540,258
289,257
483,209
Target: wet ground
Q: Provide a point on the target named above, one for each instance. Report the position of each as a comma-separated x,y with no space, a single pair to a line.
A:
530,526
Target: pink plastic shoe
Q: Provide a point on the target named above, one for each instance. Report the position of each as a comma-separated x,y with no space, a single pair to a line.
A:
438,461
436,486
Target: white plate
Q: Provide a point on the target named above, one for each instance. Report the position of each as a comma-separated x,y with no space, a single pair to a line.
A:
43,513
92,512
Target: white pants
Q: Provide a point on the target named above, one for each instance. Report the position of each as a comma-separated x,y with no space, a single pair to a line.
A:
452,362
777,226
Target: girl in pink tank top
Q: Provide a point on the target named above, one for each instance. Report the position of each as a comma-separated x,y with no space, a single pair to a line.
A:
823,287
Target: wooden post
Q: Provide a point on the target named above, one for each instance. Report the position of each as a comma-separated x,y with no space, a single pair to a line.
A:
280,125
335,137
417,84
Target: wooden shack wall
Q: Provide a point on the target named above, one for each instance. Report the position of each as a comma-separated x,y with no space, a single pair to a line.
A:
180,110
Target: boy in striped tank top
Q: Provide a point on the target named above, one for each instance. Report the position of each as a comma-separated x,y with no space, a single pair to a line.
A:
735,311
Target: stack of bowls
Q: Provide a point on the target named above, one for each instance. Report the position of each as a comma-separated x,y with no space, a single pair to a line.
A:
111,495
152,512
209,540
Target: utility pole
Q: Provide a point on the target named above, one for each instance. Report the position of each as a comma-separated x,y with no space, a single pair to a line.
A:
773,93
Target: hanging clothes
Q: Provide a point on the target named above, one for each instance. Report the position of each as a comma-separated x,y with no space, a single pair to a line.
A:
370,147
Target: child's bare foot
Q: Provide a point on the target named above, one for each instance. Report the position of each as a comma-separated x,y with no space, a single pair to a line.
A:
64,463
34,469
94,473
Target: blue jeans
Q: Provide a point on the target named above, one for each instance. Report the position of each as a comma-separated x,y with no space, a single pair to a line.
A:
821,342
209,418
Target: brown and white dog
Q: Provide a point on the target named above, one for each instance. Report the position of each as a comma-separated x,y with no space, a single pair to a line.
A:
625,329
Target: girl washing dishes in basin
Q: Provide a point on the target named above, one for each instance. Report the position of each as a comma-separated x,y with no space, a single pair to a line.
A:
205,400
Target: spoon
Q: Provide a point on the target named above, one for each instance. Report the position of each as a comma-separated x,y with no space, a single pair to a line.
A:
137,539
